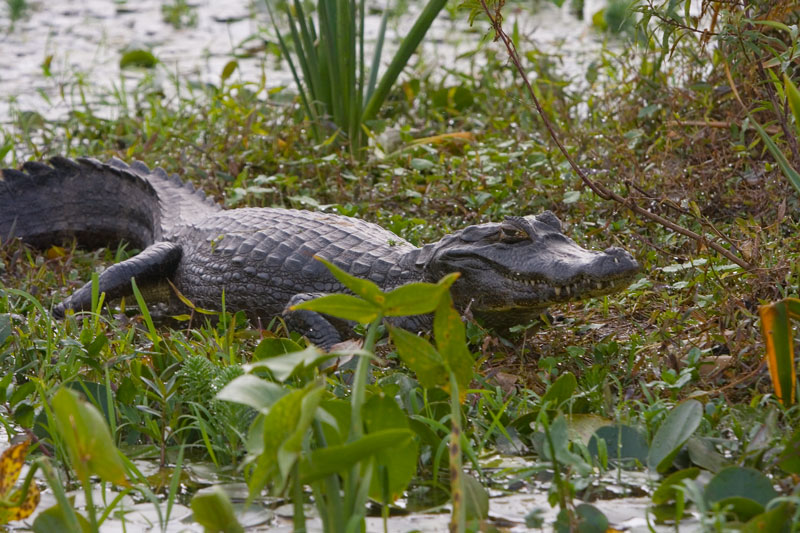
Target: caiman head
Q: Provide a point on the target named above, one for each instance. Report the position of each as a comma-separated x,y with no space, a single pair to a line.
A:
512,271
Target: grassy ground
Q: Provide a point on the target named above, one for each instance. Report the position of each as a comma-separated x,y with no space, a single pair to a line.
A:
688,327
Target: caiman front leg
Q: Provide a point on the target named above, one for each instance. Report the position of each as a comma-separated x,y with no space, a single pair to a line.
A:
154,264
322,330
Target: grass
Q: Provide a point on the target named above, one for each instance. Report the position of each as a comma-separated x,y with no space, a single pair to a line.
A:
686,329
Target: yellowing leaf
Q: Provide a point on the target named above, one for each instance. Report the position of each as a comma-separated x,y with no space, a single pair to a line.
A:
10,465
778,340
25,509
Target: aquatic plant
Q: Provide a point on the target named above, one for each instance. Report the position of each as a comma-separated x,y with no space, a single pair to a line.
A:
336,86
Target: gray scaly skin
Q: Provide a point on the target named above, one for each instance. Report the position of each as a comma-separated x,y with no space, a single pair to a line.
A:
263,258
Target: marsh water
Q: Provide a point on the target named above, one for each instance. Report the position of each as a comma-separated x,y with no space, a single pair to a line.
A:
65,55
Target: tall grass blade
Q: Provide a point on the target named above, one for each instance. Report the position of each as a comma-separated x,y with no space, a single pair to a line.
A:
376,56
791,174
400,60
779,346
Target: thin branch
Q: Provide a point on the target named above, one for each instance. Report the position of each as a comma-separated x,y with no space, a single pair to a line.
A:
598,188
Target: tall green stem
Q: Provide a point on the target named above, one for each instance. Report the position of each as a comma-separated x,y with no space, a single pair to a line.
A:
459,519
360,380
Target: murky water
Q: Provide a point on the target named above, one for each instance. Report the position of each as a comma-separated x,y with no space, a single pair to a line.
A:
64,51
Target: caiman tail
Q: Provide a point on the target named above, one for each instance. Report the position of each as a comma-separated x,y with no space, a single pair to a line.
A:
97,204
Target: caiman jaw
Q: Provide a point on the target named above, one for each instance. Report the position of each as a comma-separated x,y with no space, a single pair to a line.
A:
544,292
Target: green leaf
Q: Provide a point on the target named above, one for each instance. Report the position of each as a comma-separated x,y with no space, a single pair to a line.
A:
342,306
285,366
421,357
590,519
667,490
622,442
138,58
88,441
739,481
476,498
323,462
230,66
773,520
285,427
789,458
449,332
673,433
5,327
54,519
703,453
394,465
275,346
213,510
791,174
560,391
360,287
559,435
793,95
252,391
417,298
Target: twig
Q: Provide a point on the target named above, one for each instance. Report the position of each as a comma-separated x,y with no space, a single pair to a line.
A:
598,188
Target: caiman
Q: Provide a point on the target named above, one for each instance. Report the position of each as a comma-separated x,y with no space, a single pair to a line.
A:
262,259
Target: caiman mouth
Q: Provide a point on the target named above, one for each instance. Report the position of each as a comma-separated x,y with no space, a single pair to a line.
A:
579,287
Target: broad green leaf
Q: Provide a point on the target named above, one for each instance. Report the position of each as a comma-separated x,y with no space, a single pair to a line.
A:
323,462
449,332
559,434
88,441
591,519
779,345
703,453
744,508
287,365
360,287
342,306
421,357
773,520
417,298
667,489
673,433
213,510
54,519
284,427
138,58
252,391
394,465
738,481
476,498
622,442
560,391
275,346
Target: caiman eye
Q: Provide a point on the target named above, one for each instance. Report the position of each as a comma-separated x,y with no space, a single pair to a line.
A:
511,234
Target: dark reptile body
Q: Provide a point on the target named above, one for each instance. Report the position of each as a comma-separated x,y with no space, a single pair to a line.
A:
261,269
262,259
